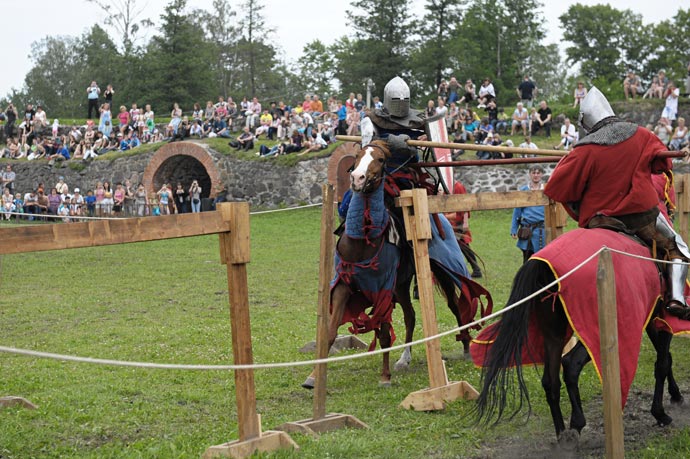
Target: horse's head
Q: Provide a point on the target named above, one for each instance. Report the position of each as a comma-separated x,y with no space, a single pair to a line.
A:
368,170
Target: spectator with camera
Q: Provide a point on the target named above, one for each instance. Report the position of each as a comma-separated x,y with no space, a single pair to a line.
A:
92,94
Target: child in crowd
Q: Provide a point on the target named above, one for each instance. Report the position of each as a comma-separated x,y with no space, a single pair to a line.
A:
90,200
18,203
153,205
63,210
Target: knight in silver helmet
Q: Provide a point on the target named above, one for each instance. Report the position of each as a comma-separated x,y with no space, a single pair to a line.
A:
396,98
606,182
593,109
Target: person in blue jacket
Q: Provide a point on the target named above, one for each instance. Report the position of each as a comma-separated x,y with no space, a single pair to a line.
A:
528,222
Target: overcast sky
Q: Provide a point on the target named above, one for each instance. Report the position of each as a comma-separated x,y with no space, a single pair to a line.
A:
296,23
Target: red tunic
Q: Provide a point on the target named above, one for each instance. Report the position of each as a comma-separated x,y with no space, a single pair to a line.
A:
457,219
610,180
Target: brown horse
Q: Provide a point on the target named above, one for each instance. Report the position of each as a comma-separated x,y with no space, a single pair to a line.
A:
371,270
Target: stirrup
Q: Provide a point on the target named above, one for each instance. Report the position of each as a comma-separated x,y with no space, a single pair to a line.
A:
678,309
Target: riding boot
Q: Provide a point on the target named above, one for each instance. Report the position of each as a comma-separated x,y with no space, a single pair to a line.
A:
675,303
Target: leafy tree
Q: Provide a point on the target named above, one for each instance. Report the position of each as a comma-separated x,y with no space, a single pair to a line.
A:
438,28
380,50
53,80
176,62
125,16
256,58
667,50
220,30
315,69
606,40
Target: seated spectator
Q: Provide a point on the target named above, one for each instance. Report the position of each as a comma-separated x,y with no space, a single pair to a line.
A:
528,144
543,119
31,204
632,85
430,108
220,128
123,117
484,131
569,135
317,144
7,203
520,119
18,204
209,111
486,93
245,141
579,93
196,130
680,136
61,154
265,121
663,82
655,90
54,201
42,202
295,145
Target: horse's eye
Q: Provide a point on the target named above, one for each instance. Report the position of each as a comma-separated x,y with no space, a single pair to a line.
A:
381,160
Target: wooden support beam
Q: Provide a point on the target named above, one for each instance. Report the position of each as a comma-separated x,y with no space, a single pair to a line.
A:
479,201
36,238
610,359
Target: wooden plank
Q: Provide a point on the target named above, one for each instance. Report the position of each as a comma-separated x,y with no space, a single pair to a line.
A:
96,233
479,201
324,299
682,186
610,360
437,376
269,441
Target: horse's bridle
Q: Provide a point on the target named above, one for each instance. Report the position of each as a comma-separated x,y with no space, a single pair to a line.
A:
376,182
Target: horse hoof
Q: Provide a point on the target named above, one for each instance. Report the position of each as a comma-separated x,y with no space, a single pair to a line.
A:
308,383
677,401
401,366
664,420
569,440
384,384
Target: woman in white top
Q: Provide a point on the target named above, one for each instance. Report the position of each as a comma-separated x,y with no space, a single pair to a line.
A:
568,135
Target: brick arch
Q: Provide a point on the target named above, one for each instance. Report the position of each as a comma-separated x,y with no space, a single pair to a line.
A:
341,160
179,159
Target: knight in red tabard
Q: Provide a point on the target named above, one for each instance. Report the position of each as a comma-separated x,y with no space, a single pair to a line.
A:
605,182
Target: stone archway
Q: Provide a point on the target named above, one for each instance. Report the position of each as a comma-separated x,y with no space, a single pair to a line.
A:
182,162
341,160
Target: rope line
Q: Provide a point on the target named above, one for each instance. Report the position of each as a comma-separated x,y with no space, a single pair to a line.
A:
78,218
257,366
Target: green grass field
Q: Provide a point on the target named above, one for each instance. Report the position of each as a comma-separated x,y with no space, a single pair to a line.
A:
167,302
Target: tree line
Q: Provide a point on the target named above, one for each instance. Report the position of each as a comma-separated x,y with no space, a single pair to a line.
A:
197,55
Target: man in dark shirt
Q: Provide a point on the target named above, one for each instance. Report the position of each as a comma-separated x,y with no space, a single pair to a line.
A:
526,91
543,119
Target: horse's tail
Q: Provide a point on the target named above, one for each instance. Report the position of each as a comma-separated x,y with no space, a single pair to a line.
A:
503,362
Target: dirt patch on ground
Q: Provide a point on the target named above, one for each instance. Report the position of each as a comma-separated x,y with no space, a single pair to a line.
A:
638,423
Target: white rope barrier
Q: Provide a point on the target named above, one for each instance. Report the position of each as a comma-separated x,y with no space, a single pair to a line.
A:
77,218
258,366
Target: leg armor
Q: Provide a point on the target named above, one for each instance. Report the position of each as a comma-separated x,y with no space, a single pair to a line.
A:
677,273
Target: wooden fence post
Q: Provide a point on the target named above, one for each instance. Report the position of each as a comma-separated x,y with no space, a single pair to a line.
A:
418,229
234,252
682,186
610,359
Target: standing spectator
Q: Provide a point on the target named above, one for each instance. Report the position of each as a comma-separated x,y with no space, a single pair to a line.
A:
40,120
108,201
8,178
54,200
528,222
175,120
123,118
579,93
442,90
163,198
671,107
663,82
105,123
520,119
195,196
92,92
10,118
486,93
181,199
108,94
140,200
31,204
342,118
118,199
7,203
543,119
568,135
663,130
631,85
526,91
353,120
680,136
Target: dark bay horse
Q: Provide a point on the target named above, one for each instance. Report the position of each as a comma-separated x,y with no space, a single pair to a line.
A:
374,265
537,331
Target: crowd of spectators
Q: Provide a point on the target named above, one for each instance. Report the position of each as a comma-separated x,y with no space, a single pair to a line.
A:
58,203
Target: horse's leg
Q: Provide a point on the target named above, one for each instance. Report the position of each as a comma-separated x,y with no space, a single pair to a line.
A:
662,369
673,389
573,363
402,295
552,326
385,339
339,296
